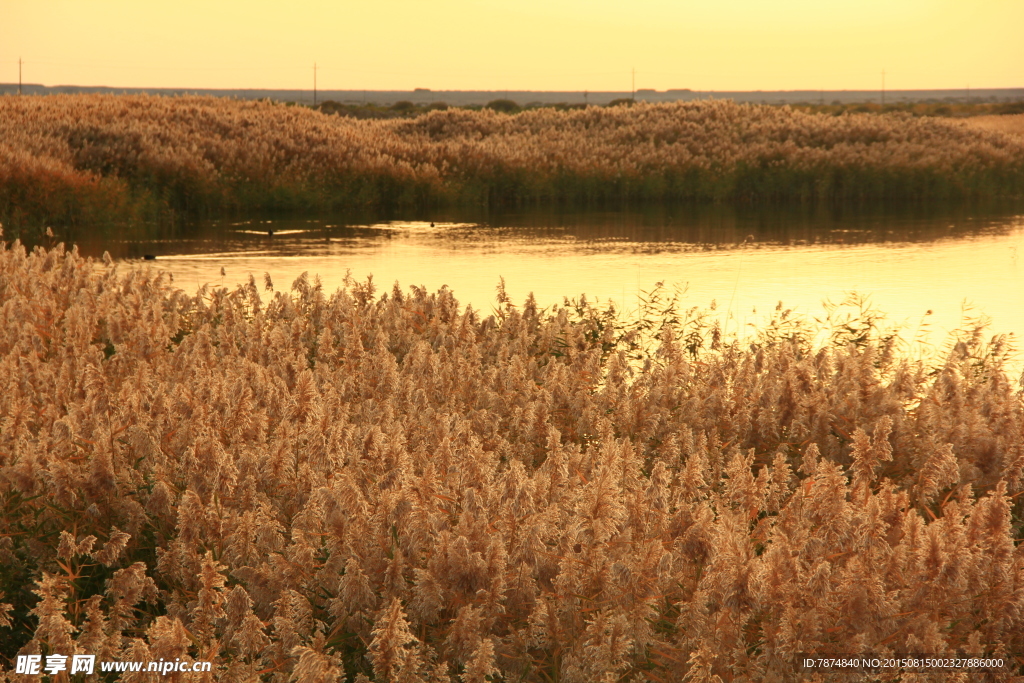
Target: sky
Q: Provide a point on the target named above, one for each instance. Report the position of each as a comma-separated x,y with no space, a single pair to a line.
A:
559,45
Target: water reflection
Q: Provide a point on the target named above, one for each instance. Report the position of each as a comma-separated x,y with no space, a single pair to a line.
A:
746,262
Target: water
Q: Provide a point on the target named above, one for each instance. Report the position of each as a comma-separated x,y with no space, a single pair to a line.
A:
925,272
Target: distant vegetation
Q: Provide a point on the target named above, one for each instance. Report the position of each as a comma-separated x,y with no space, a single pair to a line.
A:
503,105
945,109
390,487
407,109
89,159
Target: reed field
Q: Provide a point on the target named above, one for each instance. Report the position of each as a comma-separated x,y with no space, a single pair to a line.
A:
86,160
1013,124
364,486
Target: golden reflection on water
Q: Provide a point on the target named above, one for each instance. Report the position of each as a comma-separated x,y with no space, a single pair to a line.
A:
917,267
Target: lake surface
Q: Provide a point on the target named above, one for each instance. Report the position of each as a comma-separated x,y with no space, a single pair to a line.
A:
949,263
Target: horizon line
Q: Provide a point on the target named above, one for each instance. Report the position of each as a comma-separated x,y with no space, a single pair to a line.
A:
511,90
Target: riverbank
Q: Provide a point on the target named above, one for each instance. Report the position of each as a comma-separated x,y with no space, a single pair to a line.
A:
89,159
396,486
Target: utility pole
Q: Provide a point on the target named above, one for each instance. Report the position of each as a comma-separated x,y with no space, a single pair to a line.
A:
632,93
314,84
883,87
19,75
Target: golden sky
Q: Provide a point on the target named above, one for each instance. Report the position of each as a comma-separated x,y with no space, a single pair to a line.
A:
516,45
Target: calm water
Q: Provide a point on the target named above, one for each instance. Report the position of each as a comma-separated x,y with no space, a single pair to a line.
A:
949,263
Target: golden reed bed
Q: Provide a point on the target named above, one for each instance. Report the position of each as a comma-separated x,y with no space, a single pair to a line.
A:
393,488
97,159
1013,124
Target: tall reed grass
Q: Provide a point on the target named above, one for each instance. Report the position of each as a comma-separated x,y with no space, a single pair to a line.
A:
66,159
390,487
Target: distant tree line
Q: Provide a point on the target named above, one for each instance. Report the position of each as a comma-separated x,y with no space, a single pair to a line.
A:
409,109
